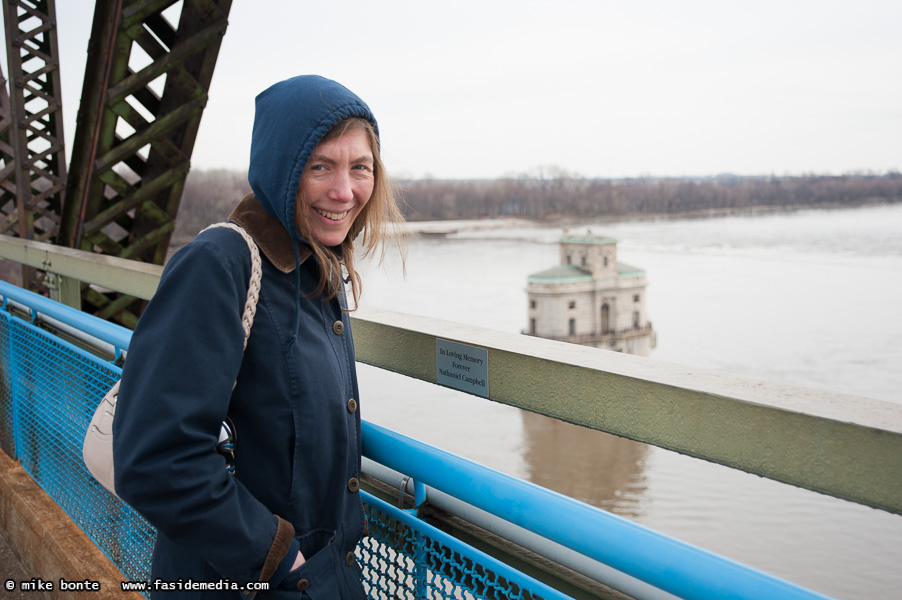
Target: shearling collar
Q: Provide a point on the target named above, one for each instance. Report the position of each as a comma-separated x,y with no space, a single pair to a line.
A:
268,232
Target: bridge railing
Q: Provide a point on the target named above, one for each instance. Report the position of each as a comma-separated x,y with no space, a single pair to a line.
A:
827,442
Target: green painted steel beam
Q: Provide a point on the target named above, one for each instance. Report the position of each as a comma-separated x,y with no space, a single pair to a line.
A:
840,445
109,272
132,196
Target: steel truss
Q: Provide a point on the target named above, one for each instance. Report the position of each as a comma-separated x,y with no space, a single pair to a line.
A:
32,150
147,78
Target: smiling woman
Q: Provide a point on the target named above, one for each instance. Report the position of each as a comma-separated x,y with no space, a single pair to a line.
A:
337,184
291,515
344,190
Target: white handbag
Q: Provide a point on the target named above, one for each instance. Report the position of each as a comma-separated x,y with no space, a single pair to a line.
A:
97,450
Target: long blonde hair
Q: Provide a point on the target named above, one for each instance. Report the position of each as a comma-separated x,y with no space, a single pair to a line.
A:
379,220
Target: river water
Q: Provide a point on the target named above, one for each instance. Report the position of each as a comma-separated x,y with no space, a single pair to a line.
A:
810,298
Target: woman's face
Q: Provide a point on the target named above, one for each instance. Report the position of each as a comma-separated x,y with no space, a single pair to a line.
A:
335,186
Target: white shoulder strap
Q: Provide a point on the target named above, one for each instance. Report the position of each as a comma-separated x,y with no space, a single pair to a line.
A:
253,288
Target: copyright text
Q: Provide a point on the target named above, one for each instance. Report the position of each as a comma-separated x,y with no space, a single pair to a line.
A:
37,584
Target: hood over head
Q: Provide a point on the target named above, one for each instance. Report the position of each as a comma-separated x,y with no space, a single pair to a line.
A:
291,118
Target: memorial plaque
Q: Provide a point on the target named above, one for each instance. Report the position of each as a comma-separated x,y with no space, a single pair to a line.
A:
462,367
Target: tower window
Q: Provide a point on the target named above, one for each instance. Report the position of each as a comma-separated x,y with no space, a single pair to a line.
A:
571,304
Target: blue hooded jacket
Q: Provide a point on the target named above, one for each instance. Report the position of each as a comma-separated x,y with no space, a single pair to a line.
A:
294,404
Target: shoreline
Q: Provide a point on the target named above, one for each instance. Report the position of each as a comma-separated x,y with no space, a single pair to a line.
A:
446,227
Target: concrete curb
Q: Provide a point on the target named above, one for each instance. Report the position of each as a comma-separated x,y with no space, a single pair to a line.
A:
49,545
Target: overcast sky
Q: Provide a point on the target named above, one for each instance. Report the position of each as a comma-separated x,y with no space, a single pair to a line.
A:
487,88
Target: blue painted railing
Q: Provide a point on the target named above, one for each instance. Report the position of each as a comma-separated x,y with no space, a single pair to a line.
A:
44,377
664,562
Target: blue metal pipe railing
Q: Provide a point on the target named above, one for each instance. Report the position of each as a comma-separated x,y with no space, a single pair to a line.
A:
113,334
664,562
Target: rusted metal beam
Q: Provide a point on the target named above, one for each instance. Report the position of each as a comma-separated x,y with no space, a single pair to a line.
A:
32,151
136,130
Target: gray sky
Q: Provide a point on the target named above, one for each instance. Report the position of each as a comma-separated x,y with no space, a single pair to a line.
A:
486,88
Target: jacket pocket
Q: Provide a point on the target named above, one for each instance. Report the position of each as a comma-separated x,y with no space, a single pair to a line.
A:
315,541
317,578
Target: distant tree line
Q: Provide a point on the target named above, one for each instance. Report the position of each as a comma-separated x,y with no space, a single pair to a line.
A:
553,193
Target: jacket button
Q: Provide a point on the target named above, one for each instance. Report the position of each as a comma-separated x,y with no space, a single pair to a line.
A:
338,327
303,584
353,484
349,559
352,406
